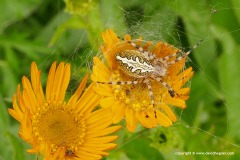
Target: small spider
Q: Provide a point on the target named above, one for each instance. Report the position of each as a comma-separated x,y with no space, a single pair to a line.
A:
144,67
70,153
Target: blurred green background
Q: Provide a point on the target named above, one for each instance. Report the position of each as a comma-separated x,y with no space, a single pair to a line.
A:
70,31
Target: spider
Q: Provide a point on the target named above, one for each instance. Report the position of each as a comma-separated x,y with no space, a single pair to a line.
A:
144,66
70,153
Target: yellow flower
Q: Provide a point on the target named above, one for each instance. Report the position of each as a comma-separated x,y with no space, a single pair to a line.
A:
60,129
133,101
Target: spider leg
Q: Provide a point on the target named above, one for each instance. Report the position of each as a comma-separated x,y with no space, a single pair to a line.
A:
120,82
170,90
169,56
150,91
151,95
166,58
147,54
185,54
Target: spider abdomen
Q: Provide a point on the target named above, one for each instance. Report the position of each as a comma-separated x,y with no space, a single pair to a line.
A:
134,63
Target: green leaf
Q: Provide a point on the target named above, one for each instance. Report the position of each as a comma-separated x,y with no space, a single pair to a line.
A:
21,44
236,4
15,10
229,75
226,18
140,149
11,58
6,148
202,97
230,78
52,26
90,23
4,116
75,22
9,82
112,16
18,147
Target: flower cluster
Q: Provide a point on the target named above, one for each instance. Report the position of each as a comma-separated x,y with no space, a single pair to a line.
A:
76,128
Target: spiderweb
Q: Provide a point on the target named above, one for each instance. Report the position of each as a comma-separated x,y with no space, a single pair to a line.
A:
206,128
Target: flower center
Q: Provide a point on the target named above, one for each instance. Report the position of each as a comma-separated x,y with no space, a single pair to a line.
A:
136,96
58,126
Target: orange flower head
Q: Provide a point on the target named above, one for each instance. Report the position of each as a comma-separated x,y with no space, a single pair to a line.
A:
60,129
141,81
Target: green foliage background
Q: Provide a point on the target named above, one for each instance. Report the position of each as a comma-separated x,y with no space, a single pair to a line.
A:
47,31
